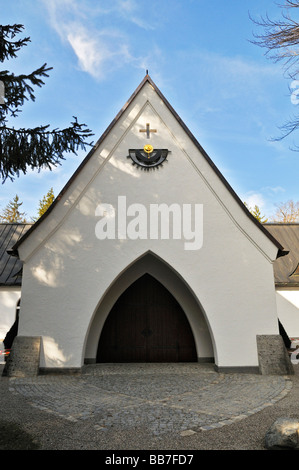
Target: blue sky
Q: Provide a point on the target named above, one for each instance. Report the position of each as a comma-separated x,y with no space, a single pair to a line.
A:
198,52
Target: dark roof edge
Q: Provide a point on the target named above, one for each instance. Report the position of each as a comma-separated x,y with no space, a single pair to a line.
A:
286,284
282,223
148,79
294,270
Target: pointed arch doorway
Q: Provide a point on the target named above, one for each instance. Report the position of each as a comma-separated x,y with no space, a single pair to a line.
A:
146,324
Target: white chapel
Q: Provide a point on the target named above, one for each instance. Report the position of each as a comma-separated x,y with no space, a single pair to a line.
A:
148,255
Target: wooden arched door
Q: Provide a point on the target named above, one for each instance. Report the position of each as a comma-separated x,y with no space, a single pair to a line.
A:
146,324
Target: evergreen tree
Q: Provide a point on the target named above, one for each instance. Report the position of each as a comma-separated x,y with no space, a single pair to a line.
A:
257,213
11,213
45,202
39,147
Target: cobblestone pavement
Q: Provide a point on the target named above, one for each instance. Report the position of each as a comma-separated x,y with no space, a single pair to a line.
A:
161,398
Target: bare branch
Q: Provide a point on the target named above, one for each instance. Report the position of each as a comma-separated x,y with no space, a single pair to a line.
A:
280,38
287,212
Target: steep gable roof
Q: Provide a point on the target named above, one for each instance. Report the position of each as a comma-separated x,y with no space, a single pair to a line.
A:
147,79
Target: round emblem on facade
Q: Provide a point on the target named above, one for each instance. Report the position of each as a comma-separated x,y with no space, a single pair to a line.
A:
148,157
148,148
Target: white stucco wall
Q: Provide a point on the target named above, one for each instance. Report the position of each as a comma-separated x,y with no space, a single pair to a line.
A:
68,270
288,310
9,297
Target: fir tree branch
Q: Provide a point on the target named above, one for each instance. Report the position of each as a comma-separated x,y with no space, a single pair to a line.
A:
9,48
37,148
20,88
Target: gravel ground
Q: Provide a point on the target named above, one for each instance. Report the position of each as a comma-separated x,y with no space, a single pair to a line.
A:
24,427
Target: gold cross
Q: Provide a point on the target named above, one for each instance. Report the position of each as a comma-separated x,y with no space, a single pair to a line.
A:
148,130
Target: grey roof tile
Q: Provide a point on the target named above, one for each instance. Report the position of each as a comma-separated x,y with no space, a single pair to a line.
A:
10,266
286,267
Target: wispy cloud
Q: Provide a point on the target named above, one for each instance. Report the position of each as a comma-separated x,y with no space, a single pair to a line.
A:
274,189
101,46
230,75
263,198
253,199
99,52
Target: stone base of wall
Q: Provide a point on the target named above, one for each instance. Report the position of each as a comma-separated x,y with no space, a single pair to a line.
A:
273,356
237,369
60,370
23,360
